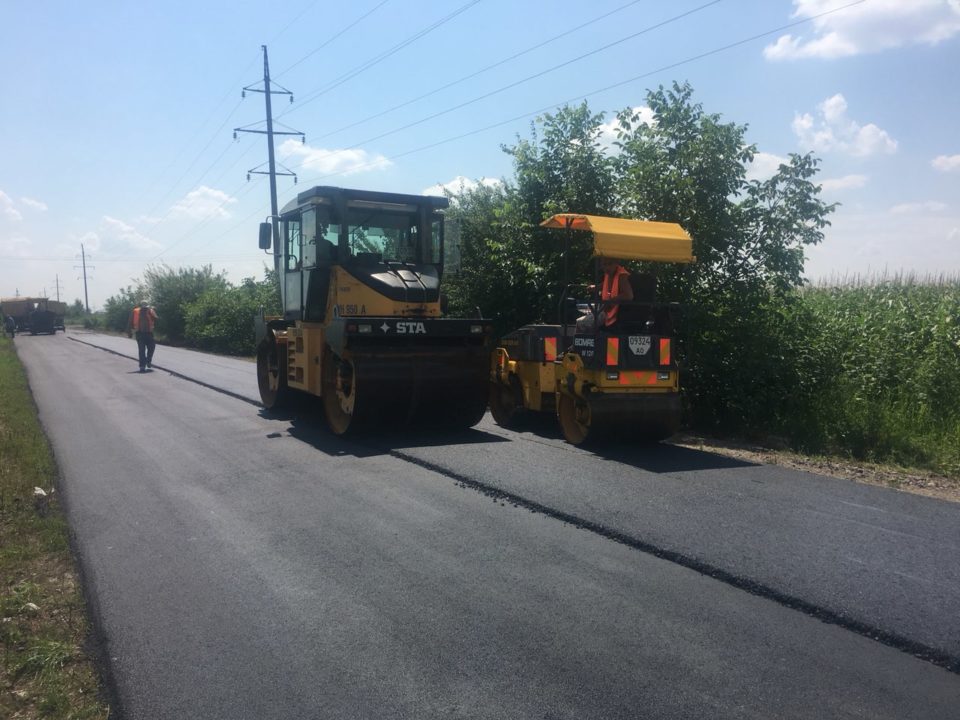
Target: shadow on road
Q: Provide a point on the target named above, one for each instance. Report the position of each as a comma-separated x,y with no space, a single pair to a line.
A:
307,425
651,457
663,458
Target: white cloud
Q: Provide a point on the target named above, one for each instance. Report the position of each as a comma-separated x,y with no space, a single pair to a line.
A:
765,166
946,163
34,204
834,131
867,28
90,241
868,242
333,162
112,232
847,182
15,246
204,202
930,206
458,185
608,131
7,209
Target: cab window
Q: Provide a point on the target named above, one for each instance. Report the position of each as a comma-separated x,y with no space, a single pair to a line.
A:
294,243
309,237
388,237
433,248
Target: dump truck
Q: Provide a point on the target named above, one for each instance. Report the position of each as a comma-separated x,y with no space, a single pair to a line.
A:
600,384
362,325
34,315
47,316
19,308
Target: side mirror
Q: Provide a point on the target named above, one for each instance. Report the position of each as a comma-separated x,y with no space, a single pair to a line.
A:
266,236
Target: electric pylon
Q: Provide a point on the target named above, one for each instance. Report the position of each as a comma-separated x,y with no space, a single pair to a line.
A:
270,132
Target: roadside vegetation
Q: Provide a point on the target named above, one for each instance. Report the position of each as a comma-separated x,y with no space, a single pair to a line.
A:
867,371
46,672
859,370
888,356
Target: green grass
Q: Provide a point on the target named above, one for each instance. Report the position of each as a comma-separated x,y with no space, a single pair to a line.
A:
44,671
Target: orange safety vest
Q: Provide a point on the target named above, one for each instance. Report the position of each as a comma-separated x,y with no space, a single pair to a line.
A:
145,322
611,289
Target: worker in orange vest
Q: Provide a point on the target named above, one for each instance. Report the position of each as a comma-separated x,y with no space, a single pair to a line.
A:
615,289
142,320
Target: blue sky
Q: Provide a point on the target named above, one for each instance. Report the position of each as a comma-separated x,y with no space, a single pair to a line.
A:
117,117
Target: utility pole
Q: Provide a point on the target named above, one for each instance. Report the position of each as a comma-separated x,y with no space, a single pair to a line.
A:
270,132
83,254
58,287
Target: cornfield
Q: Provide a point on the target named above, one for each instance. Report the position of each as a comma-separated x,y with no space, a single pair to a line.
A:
889,355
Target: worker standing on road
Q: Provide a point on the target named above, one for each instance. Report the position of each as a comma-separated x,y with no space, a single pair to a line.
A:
10,325
142,320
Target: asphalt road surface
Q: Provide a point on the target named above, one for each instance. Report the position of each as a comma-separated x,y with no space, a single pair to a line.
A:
247,565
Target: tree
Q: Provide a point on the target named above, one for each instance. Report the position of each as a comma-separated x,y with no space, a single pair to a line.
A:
170,291
741,332
117,308
687,166
221,319
511,267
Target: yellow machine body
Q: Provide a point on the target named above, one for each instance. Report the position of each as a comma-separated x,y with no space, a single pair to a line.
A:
599,384
362,327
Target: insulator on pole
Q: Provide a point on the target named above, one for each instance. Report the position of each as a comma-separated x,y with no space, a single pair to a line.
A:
291,98
248,177
243,93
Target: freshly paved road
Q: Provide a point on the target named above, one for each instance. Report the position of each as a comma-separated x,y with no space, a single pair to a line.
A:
249,566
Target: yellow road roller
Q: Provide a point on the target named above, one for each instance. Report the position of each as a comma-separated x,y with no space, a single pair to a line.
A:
616,381
362,326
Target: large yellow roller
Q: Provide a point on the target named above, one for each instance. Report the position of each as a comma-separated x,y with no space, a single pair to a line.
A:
362,326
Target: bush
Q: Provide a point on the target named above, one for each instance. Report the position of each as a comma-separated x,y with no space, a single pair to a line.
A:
221,319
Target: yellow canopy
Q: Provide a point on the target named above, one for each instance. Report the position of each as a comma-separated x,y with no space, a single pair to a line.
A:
630,239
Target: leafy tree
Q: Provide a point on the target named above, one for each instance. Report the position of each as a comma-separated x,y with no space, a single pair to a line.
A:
742,334
688,166
170,291
116,310
221,319
511,267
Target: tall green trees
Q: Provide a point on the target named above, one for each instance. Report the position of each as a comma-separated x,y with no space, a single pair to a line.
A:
511,268
685,166
741,333
198,308
221,319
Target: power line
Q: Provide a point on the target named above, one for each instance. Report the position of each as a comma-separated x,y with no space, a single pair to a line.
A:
334,37
286,27
216,132
553,106
482,70
527,79
350,74
583,96
193,137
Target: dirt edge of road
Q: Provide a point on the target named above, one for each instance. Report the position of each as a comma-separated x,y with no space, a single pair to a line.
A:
913,481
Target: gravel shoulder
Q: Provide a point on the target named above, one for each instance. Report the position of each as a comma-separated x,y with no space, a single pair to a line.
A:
913,481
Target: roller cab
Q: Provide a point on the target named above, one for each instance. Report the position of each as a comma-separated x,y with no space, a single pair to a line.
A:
601,385
362,326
